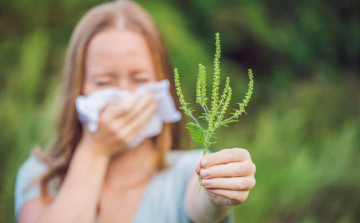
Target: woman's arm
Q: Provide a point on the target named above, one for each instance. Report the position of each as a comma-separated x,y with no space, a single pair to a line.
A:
77,198
119,124
201,210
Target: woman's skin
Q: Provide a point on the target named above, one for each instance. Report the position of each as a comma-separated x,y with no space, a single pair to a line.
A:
103,172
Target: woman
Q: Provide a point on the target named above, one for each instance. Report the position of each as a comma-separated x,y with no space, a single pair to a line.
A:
90,176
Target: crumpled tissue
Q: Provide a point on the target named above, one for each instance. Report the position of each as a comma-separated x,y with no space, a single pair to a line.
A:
90,106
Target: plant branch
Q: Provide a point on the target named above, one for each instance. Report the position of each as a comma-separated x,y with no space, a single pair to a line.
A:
204,107
195,120
218,109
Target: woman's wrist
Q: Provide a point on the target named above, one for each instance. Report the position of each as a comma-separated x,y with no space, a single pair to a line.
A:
93,152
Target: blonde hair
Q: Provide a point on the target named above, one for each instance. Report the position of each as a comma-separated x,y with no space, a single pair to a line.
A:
69,129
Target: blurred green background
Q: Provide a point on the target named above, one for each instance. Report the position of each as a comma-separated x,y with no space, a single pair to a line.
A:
302,127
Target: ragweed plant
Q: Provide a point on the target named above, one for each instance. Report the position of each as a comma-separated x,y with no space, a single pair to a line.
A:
214,116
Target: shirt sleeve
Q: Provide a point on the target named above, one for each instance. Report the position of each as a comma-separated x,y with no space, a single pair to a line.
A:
28,171
187,165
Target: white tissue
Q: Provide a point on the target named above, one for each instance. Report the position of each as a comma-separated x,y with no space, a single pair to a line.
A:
90,106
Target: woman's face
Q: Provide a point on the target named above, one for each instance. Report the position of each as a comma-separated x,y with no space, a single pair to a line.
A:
117,58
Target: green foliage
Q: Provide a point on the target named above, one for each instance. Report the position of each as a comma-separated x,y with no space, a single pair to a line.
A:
247,97
218,108
184,106
196,132
303,133
226,97
201,97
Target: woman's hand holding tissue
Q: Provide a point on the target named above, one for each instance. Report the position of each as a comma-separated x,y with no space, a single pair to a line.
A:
119,124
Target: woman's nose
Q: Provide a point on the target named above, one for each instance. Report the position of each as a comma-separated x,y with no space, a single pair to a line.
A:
125,84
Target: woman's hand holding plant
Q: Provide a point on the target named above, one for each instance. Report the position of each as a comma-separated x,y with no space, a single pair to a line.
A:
228,176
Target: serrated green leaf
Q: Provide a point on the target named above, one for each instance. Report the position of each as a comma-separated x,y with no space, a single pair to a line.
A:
192,124
196,132
230,121
202,117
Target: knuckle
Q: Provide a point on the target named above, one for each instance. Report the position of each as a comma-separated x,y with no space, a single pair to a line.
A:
223,152
198,168
238,169
240,185
206,157
254,168
241,197
246,153
227,150
243,152
237,152
219,170
233,196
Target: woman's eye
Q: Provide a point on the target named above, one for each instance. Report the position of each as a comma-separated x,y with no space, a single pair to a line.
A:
141,80
102,83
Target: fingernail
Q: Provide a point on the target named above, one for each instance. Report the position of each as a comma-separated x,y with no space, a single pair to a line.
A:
205,182
204,172
204,162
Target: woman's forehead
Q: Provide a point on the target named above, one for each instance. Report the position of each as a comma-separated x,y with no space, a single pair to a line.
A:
115,42
119,45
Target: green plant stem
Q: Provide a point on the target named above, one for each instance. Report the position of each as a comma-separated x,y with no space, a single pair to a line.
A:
205,145
204,107
200,184
195,120
218,124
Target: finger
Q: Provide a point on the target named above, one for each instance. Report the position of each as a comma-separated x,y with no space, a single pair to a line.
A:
198,168
143,102
142,119
232,183
225,156
128,132
237,197
236,169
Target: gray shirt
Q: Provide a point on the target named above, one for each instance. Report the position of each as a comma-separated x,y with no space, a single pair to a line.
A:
162,202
